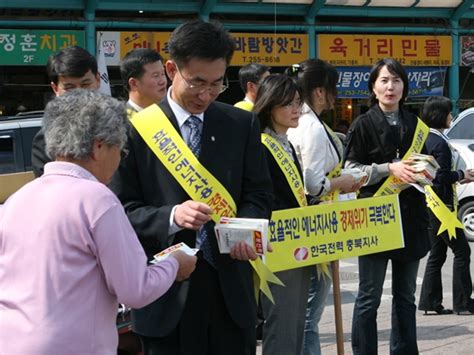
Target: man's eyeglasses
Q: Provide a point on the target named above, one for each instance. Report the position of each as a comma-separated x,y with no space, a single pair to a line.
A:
198,89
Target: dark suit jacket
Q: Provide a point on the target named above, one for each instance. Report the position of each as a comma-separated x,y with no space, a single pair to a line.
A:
231,150
445,177
38,154
371,140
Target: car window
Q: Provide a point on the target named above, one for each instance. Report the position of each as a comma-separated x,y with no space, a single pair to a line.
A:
464,129
459,162
28,134
7,152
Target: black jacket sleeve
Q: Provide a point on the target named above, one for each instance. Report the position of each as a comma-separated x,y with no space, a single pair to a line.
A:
38,154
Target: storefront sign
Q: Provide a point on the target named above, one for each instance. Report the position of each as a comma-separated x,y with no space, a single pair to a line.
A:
366,50
270,49
267,49
33,47
423,81
467,51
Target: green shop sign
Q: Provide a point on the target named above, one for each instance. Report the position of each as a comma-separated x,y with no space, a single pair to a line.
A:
33,47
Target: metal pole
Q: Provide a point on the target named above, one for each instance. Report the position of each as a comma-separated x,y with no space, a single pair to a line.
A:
336,290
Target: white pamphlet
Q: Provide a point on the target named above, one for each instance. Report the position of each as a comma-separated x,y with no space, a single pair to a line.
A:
162,255
231,231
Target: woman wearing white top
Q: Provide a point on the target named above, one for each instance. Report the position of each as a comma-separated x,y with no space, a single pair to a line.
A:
319,152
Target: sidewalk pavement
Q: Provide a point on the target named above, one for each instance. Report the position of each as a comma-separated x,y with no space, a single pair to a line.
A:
437,334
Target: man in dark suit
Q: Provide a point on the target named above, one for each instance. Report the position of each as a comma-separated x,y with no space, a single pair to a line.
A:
71,68
143,76
214,312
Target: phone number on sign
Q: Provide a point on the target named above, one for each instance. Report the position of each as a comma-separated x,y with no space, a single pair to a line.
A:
257,59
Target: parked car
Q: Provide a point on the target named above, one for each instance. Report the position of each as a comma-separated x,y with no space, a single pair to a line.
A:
16,136
462,126
465,160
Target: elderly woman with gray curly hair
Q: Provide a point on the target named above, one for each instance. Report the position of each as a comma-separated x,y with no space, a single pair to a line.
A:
68,254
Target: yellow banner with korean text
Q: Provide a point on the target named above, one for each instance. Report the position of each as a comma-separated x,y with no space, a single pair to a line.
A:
280,49
366,50
326,232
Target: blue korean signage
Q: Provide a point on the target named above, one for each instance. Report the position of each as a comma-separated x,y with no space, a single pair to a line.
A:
423,81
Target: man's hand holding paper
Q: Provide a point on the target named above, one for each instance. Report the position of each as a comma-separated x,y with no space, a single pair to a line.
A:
236,235
192,214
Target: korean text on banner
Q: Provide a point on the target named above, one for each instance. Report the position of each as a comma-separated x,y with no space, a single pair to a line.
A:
326,232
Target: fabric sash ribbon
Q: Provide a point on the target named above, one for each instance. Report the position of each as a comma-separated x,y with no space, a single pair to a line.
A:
169,147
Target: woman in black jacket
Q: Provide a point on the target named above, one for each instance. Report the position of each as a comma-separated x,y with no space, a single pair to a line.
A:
437,115
377,141
278,106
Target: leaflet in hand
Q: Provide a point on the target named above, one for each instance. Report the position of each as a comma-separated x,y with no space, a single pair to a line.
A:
360,178
230,231
162,255
359,175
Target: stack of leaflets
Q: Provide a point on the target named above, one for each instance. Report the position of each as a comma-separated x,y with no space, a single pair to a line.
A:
230,231
359,175
425,167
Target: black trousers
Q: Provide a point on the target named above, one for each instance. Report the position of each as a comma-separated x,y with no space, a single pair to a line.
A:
206,327
432,288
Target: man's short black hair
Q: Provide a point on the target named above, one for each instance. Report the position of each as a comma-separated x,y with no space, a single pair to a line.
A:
436,111
200,40
251,72
72,61
134,61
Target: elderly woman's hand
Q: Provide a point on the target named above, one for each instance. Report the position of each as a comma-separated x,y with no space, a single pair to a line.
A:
187,264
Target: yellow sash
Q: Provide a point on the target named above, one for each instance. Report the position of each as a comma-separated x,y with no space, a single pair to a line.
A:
288,167
391,184
448,219
169,147
323,268
334,195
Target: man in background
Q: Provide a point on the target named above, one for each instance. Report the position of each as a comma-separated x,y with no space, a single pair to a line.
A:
144,77
71,68
250,77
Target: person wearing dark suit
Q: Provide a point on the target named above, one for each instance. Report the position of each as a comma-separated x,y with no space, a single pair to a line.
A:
278,106
215,311
437,116
376,143
71,68
143,76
